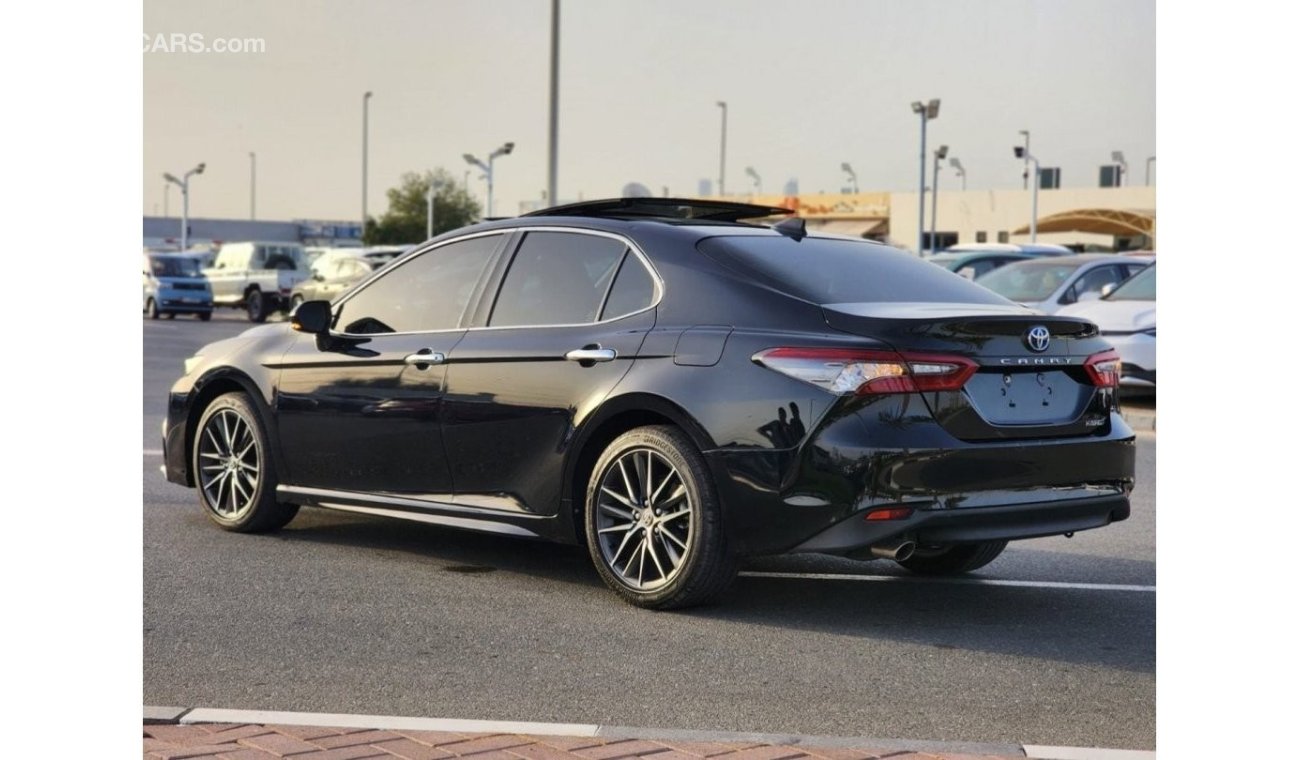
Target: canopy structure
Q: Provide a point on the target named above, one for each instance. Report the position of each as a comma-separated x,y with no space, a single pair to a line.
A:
1101,221
850,227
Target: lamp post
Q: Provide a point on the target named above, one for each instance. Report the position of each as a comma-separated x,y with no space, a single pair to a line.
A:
1149,160
184,184
1118,157
758,182
722,160
252,185
955,163
433,192
1025,132
926,111
939,155
1033,214
504,150
853,178
552,143
365,150
167,199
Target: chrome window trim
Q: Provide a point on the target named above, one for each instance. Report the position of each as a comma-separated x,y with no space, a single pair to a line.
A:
631,246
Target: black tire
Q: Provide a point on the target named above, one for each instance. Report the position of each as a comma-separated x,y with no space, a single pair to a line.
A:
255,302
688,515
240,496
206,316
151,308
952,559
171,315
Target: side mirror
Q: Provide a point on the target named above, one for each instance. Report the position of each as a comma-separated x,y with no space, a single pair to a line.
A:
312,317
1108,288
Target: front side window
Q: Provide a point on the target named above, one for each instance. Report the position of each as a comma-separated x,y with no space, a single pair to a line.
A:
557,278
428,292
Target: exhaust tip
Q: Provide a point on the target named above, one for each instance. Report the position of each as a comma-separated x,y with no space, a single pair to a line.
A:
899,551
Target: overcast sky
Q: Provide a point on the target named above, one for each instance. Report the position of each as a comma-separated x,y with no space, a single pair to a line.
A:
809,85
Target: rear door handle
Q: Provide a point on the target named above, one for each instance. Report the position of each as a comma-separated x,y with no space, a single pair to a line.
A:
424,358
588,355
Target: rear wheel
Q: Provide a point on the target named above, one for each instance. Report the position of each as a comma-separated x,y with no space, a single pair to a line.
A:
654,523
151,308
952,559
255,301
233,469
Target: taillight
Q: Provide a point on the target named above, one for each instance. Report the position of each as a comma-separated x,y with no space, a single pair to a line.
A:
869,372
1103,369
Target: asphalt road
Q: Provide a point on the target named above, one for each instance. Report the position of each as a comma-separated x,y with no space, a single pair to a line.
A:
349,614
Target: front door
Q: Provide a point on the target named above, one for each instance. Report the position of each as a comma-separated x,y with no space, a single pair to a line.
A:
360,411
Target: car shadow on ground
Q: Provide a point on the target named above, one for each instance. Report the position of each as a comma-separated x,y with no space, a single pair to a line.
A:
1093,628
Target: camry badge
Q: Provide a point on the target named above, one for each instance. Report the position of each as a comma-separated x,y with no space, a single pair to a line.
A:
1038,338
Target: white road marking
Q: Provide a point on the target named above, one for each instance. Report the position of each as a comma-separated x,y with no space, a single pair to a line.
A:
391,722
960,581
1085,753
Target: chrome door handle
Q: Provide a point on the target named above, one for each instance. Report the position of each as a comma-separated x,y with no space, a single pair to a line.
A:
425,357
591,355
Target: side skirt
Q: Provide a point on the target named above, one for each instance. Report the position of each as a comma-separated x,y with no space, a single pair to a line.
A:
417,510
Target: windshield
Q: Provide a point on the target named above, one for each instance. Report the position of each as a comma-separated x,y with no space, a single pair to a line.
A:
1027,281
173,266
827,271
1139,287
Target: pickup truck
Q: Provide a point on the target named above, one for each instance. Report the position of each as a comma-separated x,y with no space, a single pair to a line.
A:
257,277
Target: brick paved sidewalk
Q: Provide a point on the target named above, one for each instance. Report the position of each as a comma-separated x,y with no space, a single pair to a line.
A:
251,742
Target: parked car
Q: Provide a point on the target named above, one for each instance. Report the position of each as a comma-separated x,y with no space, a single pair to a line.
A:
973,264
173,284
385,254
1048,284
1029,249
671,388
331,275
258,277
1127,318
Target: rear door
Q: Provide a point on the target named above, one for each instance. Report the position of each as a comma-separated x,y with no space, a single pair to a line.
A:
571,313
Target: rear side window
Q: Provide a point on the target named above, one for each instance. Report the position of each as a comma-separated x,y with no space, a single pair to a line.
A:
634,289
826,271
557,278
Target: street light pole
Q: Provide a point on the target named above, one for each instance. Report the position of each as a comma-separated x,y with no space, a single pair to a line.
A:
939,155
1149,160
252,185
1025,132
722,161
167,199
955,163
853,178
184,184
758,182
553,138
1118,157
365,150
926,111
1033,214
433,190
487,168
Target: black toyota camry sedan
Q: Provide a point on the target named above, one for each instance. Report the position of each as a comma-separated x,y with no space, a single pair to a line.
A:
673,388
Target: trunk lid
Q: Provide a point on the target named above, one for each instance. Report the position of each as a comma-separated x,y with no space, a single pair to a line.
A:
1018,391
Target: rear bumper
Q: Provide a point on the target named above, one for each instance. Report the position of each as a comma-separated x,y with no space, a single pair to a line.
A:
815,497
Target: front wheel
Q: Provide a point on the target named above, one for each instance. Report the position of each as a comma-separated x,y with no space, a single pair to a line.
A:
233,469
952,559
151,309
206,316
654,522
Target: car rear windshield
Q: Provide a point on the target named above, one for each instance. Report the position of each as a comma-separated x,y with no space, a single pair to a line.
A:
1028,280
829,271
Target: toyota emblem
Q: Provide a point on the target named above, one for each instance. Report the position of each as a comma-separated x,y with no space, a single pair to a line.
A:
1038,338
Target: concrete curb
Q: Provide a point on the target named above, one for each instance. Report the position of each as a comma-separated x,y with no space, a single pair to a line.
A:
1140,419
188,716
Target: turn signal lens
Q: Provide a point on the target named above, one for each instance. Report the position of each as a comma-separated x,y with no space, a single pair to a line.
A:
1103,369
869,372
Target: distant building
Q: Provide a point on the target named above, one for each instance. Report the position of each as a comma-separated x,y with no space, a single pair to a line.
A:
162,231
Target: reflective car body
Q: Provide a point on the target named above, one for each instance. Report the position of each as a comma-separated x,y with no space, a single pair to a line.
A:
1049,284
1127,318
974,264
707,328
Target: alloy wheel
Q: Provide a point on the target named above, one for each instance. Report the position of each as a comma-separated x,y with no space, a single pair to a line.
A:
229,464
644,519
